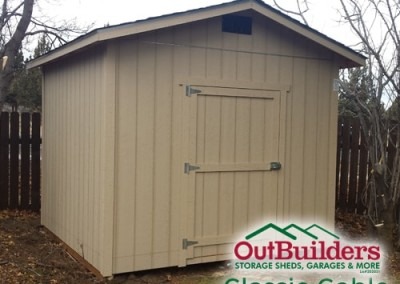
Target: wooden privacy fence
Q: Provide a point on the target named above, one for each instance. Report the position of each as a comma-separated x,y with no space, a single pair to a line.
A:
20,143
353,168
20,161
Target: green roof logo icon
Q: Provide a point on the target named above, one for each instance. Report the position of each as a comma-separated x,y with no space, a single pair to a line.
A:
285,231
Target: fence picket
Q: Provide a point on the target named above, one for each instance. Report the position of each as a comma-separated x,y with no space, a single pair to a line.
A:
4,163
14,160
25,159
35,192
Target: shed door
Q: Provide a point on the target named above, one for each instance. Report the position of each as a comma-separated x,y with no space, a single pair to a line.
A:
233,136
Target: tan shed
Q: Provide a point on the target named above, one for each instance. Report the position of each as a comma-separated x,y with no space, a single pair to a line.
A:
165,138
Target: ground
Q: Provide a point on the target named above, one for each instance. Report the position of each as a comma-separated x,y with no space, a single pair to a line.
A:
29,254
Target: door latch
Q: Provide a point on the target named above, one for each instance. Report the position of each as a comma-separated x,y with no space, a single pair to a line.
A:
275,166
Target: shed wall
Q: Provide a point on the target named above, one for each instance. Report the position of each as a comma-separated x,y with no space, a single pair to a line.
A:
149,126
76,200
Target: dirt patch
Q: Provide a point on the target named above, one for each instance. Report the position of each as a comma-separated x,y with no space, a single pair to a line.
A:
29,254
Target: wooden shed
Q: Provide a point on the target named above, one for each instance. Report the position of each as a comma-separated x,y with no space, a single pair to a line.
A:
165,138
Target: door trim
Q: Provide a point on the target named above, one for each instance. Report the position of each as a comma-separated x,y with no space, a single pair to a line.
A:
188,129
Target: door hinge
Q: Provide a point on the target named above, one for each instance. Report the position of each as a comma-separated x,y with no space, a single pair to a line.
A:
188,168
186,243
190,91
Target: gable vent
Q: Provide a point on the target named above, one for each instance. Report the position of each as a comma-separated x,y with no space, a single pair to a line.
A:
237,24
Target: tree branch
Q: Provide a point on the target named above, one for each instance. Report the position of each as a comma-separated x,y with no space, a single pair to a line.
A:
299,13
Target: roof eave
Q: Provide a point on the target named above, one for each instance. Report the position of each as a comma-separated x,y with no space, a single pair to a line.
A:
353,59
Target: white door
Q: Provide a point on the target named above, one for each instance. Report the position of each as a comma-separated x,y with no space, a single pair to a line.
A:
232,167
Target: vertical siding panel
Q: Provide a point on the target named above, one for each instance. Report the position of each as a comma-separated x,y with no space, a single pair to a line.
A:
80,170
213,53
69,179
244,66
56,148
126,158
229,58
62,100
77,161
51,147
59,100
63,148
259,45
109,75
85,156
163,128
92,94
144,202
310,142
88,157
98,159
295,159
287,43
97,167
198,55
323,198
272,68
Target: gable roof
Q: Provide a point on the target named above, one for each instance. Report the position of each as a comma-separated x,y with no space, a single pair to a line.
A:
353,59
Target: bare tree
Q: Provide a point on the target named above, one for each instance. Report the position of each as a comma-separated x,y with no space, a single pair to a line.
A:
376,23
18,22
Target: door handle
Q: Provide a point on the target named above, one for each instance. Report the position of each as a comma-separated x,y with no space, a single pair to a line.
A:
275,166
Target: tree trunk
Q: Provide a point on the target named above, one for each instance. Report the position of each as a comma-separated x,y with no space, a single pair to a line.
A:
385,210
12,47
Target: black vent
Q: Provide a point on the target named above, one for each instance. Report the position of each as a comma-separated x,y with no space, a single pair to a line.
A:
236,24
